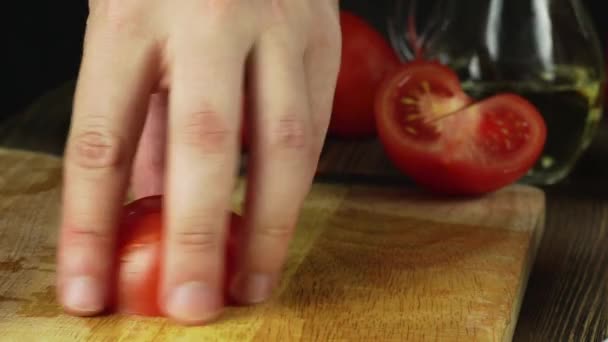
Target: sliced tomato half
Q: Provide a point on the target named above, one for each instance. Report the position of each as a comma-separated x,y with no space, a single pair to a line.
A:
446,142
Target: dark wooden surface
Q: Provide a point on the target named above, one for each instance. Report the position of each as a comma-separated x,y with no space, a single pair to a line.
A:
566,298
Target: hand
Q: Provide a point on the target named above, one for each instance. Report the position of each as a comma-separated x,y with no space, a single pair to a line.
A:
198,58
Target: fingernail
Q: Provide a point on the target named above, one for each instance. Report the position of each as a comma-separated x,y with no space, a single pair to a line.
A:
83,295
193,302
254,288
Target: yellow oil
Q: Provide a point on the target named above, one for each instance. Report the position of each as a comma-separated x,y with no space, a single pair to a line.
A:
570,101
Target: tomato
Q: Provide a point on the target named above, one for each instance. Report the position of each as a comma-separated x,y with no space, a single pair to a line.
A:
139,238
446,142
366,59
138,257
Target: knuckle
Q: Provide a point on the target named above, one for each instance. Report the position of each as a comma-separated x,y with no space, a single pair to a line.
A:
96,147
194,241
282,232
197,235
290,133
208,132
76,236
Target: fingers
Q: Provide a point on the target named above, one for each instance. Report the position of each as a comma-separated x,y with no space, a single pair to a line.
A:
203,129
110,102
280,168
149,163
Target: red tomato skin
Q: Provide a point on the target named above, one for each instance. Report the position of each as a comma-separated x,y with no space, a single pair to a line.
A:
437,171
454,179
141,227
366,59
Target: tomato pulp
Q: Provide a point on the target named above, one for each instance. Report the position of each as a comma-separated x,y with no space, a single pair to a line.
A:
366,59
138,258
448,143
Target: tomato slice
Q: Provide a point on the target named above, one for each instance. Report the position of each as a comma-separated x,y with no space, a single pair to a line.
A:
138,257
446,142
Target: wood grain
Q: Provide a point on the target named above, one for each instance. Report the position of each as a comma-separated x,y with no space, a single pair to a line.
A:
571,286
366,263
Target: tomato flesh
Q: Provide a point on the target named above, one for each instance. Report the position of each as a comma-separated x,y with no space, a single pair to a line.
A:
503,131
138,257
421,97
446,142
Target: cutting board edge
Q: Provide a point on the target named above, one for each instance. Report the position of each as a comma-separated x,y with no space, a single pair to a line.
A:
536,238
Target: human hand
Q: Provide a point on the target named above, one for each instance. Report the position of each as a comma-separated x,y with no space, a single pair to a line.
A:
205,54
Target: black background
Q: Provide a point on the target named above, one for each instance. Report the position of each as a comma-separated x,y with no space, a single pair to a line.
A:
44,43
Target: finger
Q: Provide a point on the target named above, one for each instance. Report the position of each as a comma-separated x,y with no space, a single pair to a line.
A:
280,169
205,109
149,164
109,108
322,64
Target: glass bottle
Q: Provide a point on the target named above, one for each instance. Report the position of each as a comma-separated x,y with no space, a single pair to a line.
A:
545,50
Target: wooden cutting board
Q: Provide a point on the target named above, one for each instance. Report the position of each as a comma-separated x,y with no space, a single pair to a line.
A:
367,263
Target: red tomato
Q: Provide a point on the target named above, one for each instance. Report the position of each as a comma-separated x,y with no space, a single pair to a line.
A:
366,59
139,257
435,134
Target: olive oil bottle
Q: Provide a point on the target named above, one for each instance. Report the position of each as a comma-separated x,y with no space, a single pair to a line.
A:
547,51
571,105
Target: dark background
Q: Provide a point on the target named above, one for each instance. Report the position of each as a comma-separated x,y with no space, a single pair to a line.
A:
44,43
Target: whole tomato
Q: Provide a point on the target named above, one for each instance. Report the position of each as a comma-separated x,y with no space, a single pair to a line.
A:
366,59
